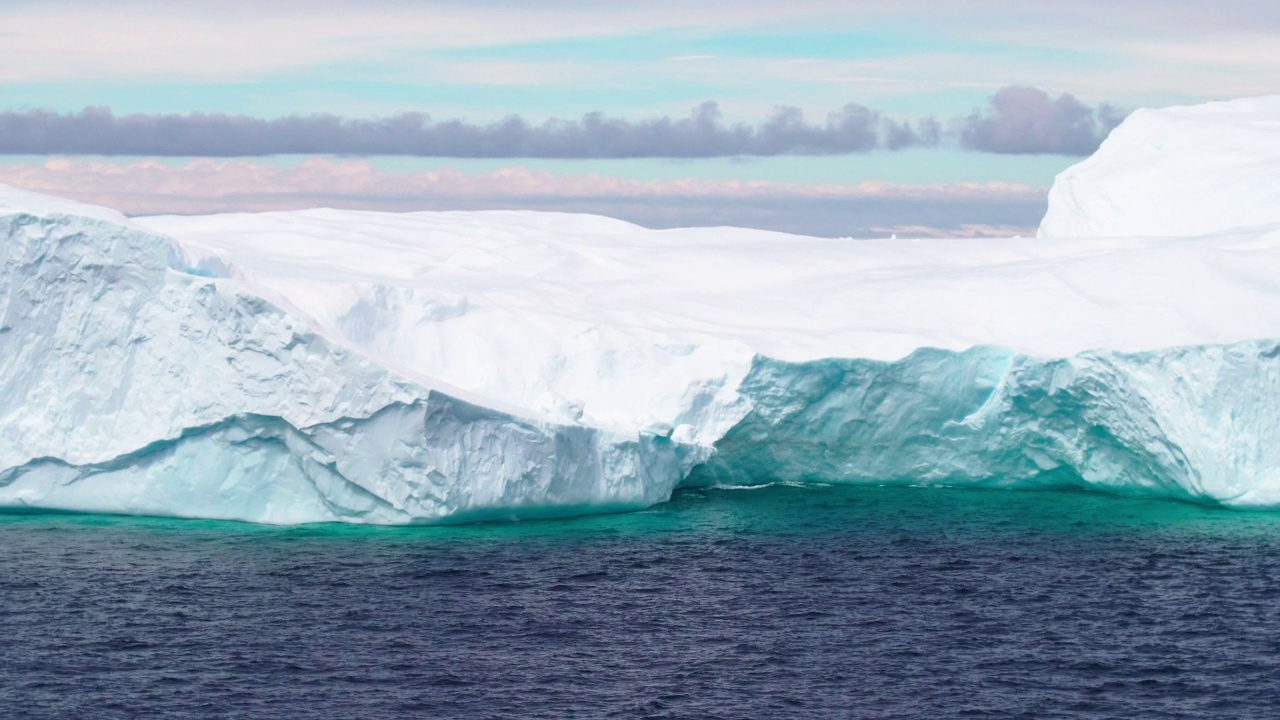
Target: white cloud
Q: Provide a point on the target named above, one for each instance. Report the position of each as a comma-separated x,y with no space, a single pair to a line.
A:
232,40
228,40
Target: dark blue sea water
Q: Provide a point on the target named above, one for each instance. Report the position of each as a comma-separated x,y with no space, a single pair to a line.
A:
775,602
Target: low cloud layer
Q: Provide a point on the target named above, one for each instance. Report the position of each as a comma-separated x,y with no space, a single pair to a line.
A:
864,210
1026,120
1019,120
704,134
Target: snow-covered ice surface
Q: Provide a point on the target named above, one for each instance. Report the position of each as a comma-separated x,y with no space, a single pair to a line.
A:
133,382
373,367
1180,171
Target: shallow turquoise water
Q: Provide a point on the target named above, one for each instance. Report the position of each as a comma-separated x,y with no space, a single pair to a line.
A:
772,509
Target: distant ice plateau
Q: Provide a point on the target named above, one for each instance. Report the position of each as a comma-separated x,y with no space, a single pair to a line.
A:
328,365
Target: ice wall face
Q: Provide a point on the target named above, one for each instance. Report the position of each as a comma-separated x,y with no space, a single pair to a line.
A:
105,345
435,459
1176,172
128,385
1195,423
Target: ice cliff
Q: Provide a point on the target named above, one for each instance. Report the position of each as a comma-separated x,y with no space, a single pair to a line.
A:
389,368
135,383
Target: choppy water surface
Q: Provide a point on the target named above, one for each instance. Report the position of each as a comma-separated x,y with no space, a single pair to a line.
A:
773,602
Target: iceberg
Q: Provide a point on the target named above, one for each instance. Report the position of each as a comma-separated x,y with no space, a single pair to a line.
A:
1177,172
327,365
134,382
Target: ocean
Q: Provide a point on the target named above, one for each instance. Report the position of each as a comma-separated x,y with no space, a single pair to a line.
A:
769,602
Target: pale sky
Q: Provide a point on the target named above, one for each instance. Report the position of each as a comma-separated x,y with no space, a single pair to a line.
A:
820,96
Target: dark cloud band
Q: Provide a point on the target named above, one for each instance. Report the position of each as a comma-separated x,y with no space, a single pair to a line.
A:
1023,120
1014,123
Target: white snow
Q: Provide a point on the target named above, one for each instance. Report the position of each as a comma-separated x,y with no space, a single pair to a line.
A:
561,313
15,200
375,367
1176,172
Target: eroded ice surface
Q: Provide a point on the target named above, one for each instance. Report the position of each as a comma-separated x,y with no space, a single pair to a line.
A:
375,367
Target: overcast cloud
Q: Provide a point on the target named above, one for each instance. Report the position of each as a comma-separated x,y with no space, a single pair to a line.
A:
1019,120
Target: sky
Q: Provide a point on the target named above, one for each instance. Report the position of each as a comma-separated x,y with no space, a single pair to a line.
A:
817,116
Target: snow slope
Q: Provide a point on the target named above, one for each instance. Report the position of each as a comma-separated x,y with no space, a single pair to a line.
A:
390,368
1178,172
562,314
